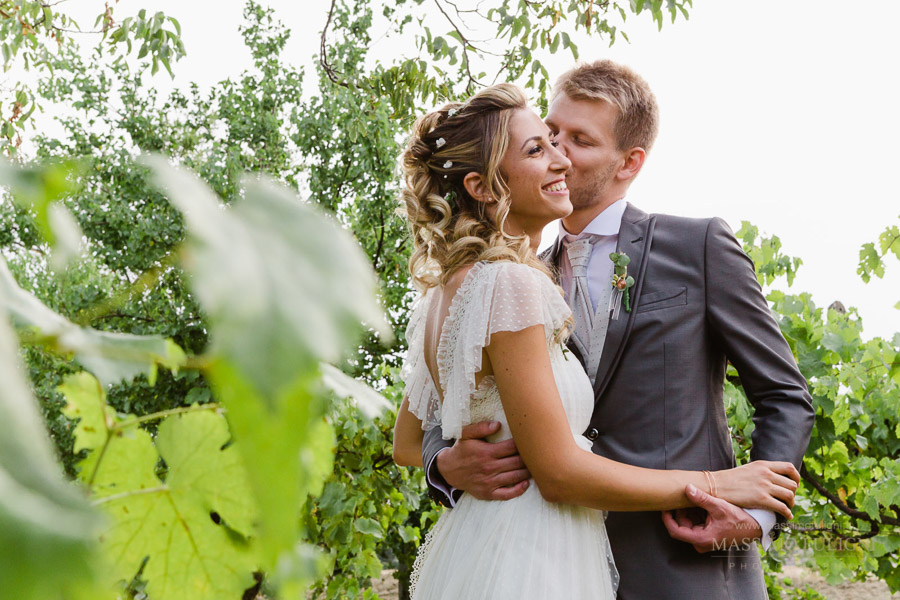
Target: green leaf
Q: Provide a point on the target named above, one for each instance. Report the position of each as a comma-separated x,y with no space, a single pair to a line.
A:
267,428
110,356
870,262
368,526
870,506
67,235
887,491
38,188
833,341
889,240
368,400
86,404
258,270
408,534
46,527
316,458
174,522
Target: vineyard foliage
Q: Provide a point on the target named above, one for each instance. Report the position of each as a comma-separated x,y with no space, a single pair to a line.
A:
175,287
847,517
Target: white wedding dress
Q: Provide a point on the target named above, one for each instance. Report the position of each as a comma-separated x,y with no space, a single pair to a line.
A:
520,549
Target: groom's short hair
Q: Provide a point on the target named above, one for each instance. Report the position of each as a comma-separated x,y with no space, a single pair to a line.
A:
638,120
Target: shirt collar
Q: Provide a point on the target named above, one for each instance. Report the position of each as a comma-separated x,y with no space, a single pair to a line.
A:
606,223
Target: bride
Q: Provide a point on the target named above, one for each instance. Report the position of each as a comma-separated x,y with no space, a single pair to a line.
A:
487,342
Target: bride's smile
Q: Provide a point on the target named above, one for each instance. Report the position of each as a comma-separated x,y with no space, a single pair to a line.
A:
535,172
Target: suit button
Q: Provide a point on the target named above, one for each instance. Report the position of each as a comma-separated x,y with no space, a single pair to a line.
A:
593,434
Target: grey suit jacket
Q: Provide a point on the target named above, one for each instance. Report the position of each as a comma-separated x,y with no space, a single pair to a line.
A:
659,394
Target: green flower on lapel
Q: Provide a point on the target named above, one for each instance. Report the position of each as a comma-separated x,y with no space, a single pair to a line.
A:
622,283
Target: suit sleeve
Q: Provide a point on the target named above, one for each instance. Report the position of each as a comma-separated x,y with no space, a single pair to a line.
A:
743,325
438,489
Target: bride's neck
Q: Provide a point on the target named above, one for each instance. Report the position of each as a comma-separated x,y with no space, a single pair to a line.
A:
533,233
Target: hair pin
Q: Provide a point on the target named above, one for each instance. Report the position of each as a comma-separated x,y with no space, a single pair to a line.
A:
452,112
440,142
448,164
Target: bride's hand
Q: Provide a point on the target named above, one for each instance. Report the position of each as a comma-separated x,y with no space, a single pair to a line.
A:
760,484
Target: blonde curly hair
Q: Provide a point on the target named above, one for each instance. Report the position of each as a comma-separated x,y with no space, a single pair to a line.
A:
450,229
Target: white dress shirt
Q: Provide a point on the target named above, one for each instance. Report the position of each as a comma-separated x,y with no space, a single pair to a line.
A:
606,226
599,269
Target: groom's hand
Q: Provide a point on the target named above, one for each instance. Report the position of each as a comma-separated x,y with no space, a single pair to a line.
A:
487,471
725,526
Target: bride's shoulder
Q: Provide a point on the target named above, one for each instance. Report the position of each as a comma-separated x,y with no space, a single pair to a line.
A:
496,276
509,274
507,269
496,282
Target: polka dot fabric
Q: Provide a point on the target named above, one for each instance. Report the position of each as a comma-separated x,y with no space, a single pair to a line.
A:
494,296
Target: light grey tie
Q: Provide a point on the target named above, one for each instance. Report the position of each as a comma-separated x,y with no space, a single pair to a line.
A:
590,325
579,253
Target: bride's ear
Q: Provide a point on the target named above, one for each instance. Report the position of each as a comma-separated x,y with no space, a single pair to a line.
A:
477,187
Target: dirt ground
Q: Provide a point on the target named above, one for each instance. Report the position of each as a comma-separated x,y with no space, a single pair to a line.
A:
868,590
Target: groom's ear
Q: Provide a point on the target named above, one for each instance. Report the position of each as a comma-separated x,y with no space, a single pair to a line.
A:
634,160
477,187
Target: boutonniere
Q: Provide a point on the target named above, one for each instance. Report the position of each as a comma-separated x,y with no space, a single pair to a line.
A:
622,283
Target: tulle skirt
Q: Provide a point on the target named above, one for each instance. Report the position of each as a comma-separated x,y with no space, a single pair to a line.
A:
520,549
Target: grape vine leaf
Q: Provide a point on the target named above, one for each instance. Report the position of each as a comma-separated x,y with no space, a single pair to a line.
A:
110,356
47,528
283,285
284,288
86,405
272,442
194,523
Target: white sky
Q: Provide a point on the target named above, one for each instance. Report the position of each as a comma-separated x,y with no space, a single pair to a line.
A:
783,113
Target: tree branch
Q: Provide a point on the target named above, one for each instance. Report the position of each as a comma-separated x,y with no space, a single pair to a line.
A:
854,538
146,281
377,256
121,315
466,44
843,506
323,49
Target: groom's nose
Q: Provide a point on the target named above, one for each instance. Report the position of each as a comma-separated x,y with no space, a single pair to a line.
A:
563,142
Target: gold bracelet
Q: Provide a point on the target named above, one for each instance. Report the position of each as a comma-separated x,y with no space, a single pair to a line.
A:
709,482
715,487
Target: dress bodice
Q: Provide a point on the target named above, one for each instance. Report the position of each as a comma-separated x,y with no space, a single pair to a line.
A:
495,296
525,548
574,390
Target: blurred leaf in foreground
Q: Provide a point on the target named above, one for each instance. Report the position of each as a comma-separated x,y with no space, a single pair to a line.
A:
47,529
110,356
40,191
283,287
366,399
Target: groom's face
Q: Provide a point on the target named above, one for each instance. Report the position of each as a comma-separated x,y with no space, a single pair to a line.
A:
584,130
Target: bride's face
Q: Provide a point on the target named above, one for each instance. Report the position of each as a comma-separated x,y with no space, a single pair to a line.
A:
535,172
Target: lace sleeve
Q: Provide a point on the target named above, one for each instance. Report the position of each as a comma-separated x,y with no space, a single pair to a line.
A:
424,401
497,296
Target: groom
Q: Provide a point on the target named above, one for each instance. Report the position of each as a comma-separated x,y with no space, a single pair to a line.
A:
657,369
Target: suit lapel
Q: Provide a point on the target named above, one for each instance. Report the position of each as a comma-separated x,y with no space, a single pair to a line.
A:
551,255
635,236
